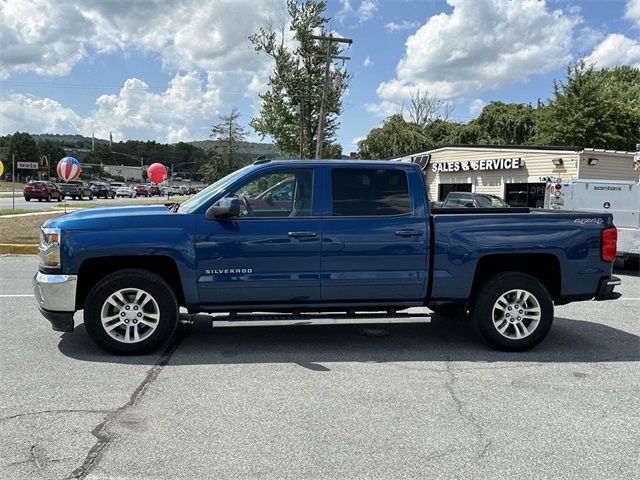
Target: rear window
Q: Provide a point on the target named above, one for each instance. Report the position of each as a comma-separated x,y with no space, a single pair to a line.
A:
368,192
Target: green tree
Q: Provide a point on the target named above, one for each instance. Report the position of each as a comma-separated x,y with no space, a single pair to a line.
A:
227,134
217,167
504,124
394,138
25,149
291,105
4,151
53,151
595,108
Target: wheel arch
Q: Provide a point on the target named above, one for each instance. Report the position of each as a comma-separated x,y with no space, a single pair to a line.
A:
543,266
93,270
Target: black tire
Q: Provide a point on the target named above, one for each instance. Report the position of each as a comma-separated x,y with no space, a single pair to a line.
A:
39,199
48,197
59,198
91,197
145,280
447,310
481,311
27,199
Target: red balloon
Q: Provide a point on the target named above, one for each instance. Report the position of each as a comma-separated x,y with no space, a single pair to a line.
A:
157,173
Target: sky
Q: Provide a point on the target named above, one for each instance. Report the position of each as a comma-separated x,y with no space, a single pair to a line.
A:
164,70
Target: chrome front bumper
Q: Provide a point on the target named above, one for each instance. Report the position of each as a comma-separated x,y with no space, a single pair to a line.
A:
55,293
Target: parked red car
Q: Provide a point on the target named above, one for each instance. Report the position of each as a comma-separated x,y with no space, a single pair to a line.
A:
141,191
42,191
155,191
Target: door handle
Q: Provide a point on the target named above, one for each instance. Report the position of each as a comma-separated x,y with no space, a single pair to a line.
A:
408,233
302,234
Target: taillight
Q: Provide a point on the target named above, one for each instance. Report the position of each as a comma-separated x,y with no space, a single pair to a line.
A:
609,244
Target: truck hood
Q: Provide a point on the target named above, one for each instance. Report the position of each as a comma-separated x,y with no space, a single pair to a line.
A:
106,217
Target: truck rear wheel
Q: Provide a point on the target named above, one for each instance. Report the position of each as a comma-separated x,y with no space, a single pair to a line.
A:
131,312
512,311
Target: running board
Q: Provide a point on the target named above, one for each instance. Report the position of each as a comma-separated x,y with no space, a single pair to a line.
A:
264,320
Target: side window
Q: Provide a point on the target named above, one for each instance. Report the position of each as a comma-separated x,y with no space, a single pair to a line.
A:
369,192
285,193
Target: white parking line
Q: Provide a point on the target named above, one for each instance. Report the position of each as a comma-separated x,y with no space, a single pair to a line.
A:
17,295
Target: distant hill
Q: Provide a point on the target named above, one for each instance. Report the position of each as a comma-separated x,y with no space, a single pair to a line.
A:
245,149
65,137
249,149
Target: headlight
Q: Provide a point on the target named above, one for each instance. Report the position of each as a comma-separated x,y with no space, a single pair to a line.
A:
49,250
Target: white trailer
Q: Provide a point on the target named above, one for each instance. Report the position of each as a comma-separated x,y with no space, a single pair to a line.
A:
621,198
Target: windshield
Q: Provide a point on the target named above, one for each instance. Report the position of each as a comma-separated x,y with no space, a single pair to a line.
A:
199,199
490,201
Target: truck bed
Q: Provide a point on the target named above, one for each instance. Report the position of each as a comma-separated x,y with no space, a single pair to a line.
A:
466,238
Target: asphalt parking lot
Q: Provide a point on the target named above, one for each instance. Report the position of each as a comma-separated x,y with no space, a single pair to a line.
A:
425,401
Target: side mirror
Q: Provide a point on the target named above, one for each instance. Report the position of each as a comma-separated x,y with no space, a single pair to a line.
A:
224,209
469,205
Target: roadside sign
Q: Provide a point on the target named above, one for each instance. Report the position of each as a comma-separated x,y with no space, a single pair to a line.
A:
1,169
27,165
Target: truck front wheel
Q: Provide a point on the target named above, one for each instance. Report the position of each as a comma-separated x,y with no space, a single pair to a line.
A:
512,311
131,312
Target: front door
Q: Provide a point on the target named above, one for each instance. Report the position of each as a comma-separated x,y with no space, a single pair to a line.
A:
270,254
375,237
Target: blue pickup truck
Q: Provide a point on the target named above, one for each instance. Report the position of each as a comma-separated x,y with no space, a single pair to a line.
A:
318,241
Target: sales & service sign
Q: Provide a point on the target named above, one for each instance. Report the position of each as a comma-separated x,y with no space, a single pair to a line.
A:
479,165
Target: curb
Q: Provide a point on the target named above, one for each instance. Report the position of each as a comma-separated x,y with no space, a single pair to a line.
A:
48,212
18,249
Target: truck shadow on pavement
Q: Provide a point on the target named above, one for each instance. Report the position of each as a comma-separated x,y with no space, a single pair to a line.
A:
444,339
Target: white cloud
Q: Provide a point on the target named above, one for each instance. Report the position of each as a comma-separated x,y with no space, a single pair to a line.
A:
366,10
49,37
632,12
345,10
476,106
182,112
482,44
403,25
194,40
367,61
354,142
616,50
20,112
382,109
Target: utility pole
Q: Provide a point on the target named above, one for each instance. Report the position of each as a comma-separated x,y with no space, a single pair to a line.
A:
328,57
301,112
13,181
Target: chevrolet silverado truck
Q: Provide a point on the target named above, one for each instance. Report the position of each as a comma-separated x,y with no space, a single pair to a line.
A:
344,242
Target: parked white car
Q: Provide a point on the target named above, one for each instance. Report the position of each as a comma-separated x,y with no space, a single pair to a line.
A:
126,191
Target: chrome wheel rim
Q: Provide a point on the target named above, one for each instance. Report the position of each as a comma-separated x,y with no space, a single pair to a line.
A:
130,315
516,314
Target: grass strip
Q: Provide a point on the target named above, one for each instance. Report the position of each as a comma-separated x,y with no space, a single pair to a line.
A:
23,230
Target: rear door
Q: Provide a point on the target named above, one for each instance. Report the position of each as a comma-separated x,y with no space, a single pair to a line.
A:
375,235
